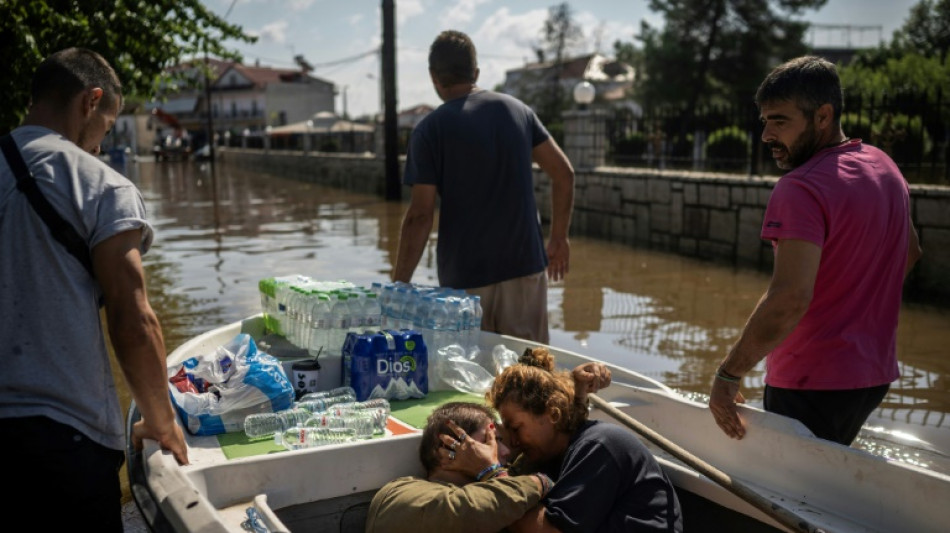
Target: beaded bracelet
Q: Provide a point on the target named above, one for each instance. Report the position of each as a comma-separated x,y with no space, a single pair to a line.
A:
546,483
488,470
500,472
726,376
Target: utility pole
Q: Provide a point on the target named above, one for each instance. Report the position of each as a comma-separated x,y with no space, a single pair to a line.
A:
210,121
391,140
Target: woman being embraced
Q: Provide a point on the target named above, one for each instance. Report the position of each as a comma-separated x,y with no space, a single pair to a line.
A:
605,478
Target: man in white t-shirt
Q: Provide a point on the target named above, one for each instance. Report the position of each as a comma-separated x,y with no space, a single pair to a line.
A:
59,413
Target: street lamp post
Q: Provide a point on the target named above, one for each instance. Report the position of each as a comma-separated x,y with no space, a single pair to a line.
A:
584,93
306,138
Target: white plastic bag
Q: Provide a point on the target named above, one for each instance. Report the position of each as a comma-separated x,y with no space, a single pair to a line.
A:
214,392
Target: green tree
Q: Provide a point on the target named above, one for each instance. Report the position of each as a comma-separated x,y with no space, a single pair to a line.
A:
560,34
926,30
710,50
139,38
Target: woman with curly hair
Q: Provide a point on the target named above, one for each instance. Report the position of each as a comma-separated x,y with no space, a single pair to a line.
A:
605,478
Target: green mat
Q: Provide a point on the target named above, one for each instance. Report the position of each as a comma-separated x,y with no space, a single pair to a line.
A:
412,412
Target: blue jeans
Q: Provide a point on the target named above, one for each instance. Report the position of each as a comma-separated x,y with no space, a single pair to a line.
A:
68,482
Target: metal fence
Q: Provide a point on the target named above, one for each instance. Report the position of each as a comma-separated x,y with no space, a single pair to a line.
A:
911,127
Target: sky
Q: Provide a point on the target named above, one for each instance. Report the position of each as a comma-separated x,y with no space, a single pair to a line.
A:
341,37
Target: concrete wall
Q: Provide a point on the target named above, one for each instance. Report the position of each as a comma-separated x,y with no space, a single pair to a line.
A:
710,216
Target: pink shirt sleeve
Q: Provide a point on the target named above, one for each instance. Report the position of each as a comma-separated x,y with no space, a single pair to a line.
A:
794,212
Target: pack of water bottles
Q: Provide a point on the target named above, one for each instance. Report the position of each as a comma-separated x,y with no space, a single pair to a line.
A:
315,314
389,364
442,315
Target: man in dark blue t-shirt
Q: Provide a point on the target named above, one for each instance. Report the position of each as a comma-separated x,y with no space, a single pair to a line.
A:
475,154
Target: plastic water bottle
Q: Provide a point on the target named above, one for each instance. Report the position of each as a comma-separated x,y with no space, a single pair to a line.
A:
309,437
355,305
322,405
466,310
372,312
339,322
267,424
345,392
362,422
396,305
475,326
438,323
413,300
319,327
453,321
378,408
300,316
423,326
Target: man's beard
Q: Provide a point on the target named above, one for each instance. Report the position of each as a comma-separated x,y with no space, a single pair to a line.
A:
801,150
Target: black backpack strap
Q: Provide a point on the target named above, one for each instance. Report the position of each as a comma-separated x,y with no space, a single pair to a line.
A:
62,231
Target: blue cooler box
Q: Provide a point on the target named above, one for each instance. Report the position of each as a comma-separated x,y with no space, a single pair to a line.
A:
390,364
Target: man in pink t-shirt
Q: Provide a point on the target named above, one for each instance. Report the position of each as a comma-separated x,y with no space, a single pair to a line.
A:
844,241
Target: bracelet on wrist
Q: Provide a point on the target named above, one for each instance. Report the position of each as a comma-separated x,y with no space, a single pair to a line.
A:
488,470
546,483
501,472
726,376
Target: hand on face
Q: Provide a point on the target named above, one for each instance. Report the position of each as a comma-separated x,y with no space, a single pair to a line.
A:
469,454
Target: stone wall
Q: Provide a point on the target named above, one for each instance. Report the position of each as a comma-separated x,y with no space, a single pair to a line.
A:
719,217
709,216
362,173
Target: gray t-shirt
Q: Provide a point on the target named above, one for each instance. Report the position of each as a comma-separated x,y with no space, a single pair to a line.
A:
53,354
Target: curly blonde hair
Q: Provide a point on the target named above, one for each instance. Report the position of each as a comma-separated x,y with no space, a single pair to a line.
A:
537,387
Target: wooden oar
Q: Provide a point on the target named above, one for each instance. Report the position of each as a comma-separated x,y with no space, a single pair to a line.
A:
779,513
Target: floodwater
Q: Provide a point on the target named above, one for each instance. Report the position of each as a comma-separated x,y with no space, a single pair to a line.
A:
669,317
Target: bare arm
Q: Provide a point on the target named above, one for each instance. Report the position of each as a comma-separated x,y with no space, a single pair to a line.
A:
775,316
554,163
136,336
914,252
416,227
533,521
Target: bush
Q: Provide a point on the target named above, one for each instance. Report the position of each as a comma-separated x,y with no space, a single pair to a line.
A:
903,137
857,126
633,145
727,149
329,145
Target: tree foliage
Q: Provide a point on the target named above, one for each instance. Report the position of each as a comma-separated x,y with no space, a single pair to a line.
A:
140,38
915,60
717,50
926,31
559,35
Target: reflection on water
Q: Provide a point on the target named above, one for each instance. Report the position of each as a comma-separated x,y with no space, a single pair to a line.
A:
666,316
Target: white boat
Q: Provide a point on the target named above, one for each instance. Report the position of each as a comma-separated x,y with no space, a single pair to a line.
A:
831,487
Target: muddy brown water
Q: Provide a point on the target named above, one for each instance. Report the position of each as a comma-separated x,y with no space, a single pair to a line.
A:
666,316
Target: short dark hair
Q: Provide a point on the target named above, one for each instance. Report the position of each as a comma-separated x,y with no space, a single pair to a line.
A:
63,75
467,415
808,81
452,58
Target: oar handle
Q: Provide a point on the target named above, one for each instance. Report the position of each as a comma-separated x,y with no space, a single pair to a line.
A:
785,517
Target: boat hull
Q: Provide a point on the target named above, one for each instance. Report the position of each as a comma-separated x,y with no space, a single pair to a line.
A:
832,486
